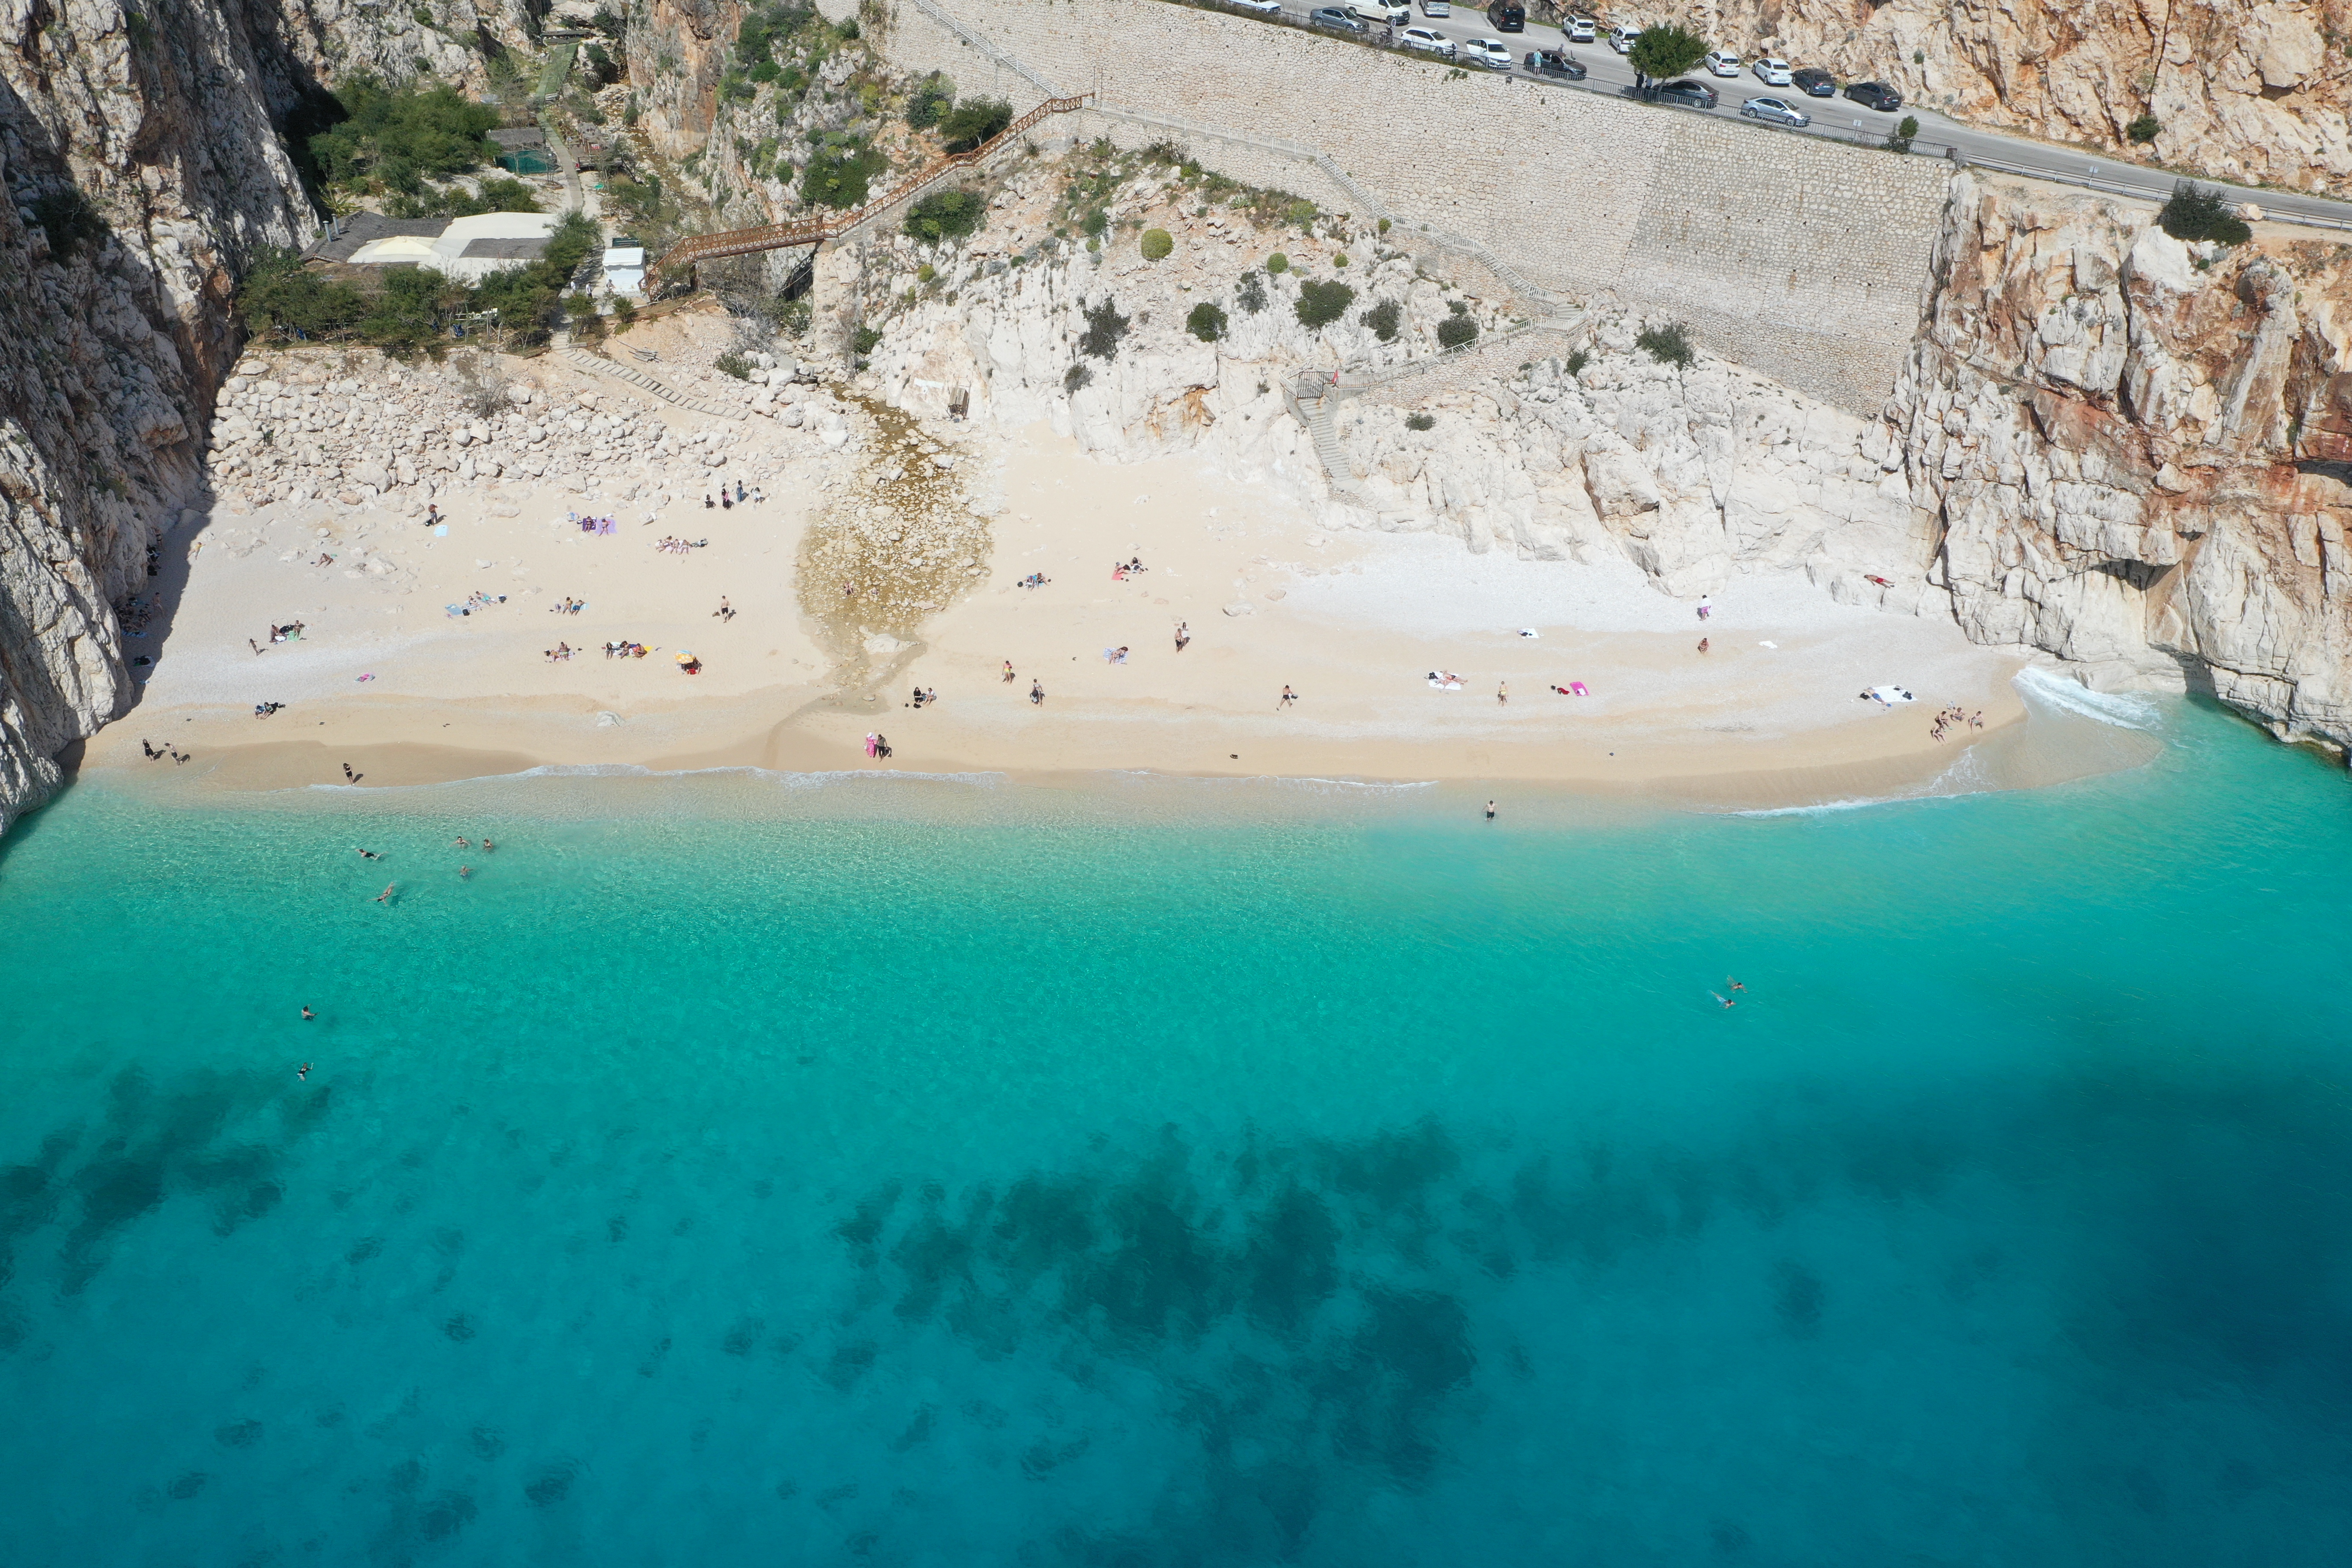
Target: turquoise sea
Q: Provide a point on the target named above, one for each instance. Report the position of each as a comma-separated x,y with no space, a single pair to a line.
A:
739,1170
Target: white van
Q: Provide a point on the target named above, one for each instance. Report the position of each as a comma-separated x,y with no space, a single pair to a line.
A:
1621,36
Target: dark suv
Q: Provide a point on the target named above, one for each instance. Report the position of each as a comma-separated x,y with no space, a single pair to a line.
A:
1814,82
1555,63
1876,95
1685,94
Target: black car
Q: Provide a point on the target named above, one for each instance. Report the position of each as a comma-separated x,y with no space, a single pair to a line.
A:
1506,18
1814,82
1552,62
1685,94
1337,20
1876,95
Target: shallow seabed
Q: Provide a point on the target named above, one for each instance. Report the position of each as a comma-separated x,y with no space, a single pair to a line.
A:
1360,1184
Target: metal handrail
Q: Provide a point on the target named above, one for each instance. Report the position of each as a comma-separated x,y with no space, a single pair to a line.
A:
779,236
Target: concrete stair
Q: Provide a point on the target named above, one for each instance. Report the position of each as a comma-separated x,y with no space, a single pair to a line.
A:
645,383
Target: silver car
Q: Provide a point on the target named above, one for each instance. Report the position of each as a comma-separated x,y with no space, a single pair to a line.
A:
1428,40
1775,110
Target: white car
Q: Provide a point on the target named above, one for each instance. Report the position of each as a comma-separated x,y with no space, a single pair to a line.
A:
1435,8
1488,52
1381,12
1775,111
1580,29
1263,7
1772,72
1722,62
1623,36
1428,41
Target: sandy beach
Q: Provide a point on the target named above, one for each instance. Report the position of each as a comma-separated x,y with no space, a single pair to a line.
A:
832,631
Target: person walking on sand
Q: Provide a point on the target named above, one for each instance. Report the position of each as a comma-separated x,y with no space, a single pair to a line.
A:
1706,606
1008,672
1503,692
1288,696
1038,693
1183,634
348,774
1702,644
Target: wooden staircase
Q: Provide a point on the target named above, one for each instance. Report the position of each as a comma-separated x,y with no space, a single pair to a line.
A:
682,257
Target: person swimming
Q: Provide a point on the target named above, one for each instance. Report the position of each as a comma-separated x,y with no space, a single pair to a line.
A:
1734,984
307,1014
1722,998
386,897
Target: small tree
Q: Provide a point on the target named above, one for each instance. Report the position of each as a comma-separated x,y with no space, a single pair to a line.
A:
1158,242
1901,141
1321,304
1278,264
1457,331
585,323
2145,129
1384,319
1207,321
1105,327
931,99
973,123
624,314
2198,212
1250,293
1664,52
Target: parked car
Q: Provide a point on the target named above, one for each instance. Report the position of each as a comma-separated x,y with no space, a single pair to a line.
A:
1722,62
1435,8
1622,36
1491,52
1876,95
1504,17
1263,7
1579,29
1380,13
1775,110
1428,40
1686,93
1554,62
1771,72
1336,20
1814,82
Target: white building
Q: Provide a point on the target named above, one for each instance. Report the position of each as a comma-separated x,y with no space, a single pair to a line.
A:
625,267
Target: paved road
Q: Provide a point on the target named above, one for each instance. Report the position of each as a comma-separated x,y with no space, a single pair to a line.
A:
1840,119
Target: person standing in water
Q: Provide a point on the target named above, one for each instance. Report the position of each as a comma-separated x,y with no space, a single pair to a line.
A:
1490,811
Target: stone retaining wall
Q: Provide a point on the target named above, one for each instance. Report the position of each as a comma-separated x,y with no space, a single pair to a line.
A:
1805,259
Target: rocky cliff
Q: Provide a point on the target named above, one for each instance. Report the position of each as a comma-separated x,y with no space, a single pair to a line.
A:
143,158
2255,91
2136,451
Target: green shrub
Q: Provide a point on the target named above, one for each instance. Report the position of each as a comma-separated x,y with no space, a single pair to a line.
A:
1904,134
1577,360
585,321
1420,421
734,364
2145,129
841,176
926,272
1301,212
1321,304
1250,293
1339,258
1156,244
1206,322
1097,223
1669,345
866,339
945,214
1079,375
931,99
1384,225
1278,264
624,314
413,311
279,294
974,123
1384,319
397,140
1105,328
2200,212
1459,331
